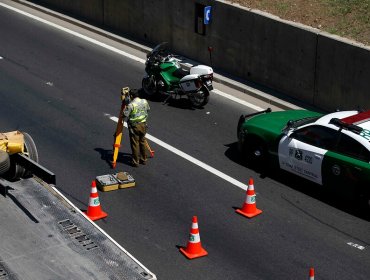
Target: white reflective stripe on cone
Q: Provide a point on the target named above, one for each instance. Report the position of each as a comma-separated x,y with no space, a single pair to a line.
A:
194,225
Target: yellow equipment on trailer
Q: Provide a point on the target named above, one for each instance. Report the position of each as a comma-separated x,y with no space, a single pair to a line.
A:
19,158
12,142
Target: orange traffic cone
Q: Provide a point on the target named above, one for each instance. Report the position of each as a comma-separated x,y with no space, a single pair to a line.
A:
249,208
94,211
194,248
312,274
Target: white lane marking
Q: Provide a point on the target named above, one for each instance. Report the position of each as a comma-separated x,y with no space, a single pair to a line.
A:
189,158
96,42
356,245
233,98
216,91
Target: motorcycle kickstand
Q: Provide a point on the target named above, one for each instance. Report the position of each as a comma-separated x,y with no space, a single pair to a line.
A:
167,98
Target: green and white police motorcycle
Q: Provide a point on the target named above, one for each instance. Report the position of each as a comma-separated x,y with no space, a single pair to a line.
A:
164,75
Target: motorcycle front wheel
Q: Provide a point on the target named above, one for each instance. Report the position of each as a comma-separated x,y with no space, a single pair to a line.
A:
200,98
148,86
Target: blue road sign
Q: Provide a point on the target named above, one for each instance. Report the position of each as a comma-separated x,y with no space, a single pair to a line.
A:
207,14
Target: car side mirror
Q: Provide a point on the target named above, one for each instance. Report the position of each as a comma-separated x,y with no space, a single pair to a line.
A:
289,123
288,127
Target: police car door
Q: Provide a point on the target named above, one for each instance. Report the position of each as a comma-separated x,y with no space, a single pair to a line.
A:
346,165
302,151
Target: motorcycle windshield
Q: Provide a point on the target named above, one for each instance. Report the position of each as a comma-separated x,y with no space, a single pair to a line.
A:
162,47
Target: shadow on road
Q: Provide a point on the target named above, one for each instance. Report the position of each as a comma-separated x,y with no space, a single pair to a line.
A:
327,196
107,156
180,103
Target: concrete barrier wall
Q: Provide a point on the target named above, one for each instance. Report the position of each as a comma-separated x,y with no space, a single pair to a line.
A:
149,21
342,74
264,50
294,59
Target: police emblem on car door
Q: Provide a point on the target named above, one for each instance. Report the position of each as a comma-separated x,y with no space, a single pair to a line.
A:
302,152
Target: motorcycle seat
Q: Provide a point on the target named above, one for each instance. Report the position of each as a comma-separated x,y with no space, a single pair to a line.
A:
180,73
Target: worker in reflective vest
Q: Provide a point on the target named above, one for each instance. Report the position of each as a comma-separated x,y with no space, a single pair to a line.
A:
136,113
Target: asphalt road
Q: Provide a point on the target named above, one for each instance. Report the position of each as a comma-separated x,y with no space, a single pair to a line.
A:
62,89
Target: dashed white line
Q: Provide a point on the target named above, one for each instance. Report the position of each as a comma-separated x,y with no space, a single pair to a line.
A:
150,137
360,247
189,158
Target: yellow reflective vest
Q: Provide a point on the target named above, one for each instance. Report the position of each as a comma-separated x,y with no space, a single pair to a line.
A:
137,111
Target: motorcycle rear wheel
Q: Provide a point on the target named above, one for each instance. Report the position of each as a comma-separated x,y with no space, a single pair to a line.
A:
148,86
200,98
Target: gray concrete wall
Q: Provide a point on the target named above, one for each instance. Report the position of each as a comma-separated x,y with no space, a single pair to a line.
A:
149,20
342,74
299,61
264,50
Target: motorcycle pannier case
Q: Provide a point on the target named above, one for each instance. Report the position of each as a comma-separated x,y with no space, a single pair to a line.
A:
187,83
201,70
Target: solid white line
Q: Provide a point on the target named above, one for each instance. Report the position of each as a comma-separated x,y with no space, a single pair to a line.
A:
135,58
96,42
233,98
189,158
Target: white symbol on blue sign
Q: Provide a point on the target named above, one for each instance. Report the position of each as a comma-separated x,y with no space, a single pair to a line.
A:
207,14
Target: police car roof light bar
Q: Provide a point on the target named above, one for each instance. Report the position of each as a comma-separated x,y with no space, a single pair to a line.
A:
348,126
361,117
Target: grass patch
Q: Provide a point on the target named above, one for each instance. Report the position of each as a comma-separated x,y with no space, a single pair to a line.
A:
346,18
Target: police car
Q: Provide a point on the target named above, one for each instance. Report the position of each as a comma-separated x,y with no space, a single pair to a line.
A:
329,149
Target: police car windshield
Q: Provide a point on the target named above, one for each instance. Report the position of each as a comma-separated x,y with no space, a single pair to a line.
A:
303,121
